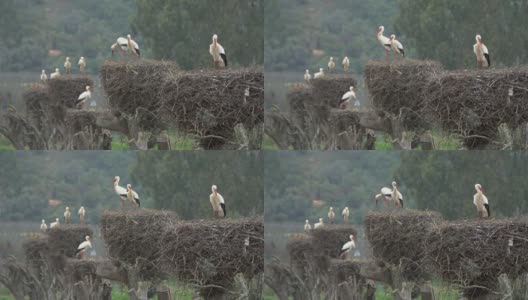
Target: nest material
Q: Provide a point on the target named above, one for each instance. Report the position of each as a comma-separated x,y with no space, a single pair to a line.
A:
209,102
37,100
400,88
328,240
329,90
343,269
473,254
202,252
399,238
65,90
65,239
78,269
300,251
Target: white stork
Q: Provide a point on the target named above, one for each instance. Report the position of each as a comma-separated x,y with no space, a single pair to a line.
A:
348,246
81,213
482,54
215,197
347,97
55,224
82,64
67,215
346,64
481,202
85,96
320,224
307,76
133,46
67,66
43,76
132,196
83,247
384,41
218,53
56,74
43,226
307,227
120,191
396,195
122,44
331,65
346,214
385,196
331,215
396,46
319,74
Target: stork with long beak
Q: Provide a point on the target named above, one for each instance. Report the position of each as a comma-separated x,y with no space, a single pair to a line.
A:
385,196
85,96
347,97
218,202
307,227
122,44
345,250
67,216
397,197
331,65
133,196
120,191
133,46
331,215
396,46
83,247
82,213
346,64
218,53
384,41
346,215
82,64
320,224
67,66
481,202
482,54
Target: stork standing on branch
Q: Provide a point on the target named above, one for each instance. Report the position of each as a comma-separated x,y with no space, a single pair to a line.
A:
56,74
307,227
132,196
218,203
331,65
346,64
384,41
67,66
307,76
385,196
481,202
55,224
85,96
43,226
319,74
82,214
67,215
397,197
133,46
320,224
331,215
82,64
43,76
482,54
346,214
345,250
218,53
347,97
83,247
120,191
396,46
122,44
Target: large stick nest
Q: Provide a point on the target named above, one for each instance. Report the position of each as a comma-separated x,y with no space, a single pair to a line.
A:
206,253
209,102
65,239
473,254
399,238
329,90
65,90
328,240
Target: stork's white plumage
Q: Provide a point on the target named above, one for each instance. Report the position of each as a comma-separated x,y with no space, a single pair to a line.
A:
307,76
218,53
396,195
43,76
482,53
82,64
132,196
331,215
81,213
384,41
67,215
481,202
348,246
83,247
385,196
67,66
133,46
84,97
121,44
43,226
218,201
120,191
396,46
347,97
319,74
346,214
320,224
307,227
55,224
331,65
56,74
346,64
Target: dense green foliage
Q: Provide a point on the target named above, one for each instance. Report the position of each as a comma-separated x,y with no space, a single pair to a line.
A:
181,30
437,180
179,180
445,30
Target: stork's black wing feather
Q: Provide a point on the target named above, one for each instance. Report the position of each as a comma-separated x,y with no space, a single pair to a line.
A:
224,58
488,59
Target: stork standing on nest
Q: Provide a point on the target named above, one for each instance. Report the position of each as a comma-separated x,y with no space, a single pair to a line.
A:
43,76
307,76
82,64
132,196
307,227
384,41
56,74
67,66
481,202
218,53
218,202
331,65
85,96
396,46
319,74
122,44
133,46
482,54
120,191
83,247
346,64
347,247
67,215
385,196
55,224
43,226
346,214
397,197
331,215
347,97
320,224
82,214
